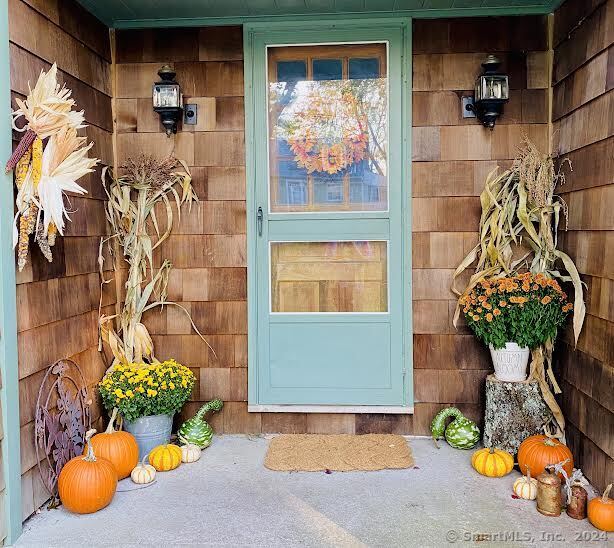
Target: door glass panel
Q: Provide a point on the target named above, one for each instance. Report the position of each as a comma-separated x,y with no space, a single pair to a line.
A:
328,127
327,69
329,276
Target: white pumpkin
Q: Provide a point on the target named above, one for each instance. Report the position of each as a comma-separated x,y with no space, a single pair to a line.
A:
143,473
526,487
190,453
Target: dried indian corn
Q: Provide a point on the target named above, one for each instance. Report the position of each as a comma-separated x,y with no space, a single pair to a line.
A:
21,170
37,160
52,232
27,223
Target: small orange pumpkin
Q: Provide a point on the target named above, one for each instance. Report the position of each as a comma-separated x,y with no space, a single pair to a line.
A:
87,484
118,447
601,511
539,451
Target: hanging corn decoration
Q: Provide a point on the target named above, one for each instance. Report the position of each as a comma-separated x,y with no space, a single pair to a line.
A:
49,115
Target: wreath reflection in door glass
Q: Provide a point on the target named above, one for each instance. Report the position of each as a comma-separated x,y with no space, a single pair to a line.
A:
328,128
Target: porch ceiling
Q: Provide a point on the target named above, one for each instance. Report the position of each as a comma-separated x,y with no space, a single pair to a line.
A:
160,13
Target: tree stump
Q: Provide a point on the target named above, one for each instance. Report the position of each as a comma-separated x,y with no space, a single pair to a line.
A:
514,411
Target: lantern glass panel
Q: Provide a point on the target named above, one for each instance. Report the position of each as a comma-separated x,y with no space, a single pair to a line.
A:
492,87
166,95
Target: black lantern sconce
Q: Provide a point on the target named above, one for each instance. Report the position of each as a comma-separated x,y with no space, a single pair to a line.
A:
168,99
492,91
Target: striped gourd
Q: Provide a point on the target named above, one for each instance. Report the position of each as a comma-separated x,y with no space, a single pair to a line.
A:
196,430
462,433
165,457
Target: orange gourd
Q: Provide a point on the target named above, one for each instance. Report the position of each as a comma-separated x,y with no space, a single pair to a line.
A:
118,447
87,484
539,451
601,511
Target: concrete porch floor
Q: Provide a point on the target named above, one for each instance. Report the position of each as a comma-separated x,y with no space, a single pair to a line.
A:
228,498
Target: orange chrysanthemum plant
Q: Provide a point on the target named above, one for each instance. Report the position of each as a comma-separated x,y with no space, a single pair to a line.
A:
526,309
518,232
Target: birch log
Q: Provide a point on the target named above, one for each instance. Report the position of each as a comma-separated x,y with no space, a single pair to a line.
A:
514,411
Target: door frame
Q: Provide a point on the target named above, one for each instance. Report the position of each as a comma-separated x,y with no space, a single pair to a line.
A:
253,100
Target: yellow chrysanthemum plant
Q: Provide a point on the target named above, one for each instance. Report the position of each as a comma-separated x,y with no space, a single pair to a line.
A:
48,160
139,389
526,309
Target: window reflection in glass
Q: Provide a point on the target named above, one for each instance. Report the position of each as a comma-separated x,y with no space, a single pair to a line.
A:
329,276
328,123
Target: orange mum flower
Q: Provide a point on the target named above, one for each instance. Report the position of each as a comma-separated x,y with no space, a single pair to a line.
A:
546,299
489,317
476,318
502,304
496,312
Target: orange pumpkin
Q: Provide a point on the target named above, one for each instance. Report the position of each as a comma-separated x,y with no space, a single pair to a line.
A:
119,448
537,452
87,484
601,511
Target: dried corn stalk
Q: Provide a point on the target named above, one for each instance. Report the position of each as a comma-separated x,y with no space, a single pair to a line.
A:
131,211
518,231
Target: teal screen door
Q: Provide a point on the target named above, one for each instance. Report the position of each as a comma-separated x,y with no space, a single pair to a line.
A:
328,237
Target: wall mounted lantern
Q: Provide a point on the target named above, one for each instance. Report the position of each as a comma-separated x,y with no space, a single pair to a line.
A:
168,99
492,91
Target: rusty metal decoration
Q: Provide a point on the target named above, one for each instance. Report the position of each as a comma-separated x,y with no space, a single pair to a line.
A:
61,420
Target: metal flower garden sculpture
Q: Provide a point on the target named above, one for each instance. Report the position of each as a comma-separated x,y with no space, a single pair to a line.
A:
61,420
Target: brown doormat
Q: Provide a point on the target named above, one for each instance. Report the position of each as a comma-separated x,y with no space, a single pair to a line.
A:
339,452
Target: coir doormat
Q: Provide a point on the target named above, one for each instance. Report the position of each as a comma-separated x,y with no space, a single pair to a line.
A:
338,452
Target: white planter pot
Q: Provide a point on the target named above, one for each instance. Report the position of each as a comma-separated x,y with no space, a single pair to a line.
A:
510,362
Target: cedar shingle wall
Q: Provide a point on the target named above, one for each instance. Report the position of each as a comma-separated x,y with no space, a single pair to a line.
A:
583,114
451,158
208,248
57,303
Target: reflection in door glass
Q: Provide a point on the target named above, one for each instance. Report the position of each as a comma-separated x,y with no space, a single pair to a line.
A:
329,277
328,128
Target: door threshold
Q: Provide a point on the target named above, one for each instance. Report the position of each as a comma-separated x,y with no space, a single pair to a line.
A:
280,408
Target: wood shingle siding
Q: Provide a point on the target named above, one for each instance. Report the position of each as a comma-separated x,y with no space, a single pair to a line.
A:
57,303
583,118
452,157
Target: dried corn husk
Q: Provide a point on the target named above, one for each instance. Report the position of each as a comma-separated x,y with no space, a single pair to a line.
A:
518,228
131,212
48,107
44,176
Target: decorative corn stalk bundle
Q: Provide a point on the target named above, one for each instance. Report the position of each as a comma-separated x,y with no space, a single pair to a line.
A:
131,212
43,173
518,232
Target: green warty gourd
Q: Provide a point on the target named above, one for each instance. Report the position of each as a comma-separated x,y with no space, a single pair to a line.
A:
438,426
462,433
196,430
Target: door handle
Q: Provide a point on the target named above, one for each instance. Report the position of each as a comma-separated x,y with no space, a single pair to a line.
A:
259,220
